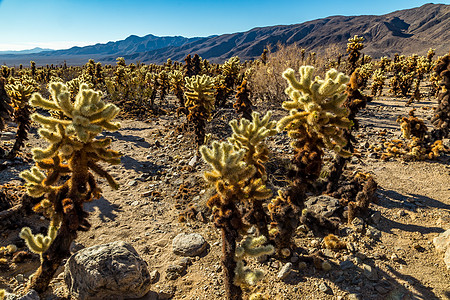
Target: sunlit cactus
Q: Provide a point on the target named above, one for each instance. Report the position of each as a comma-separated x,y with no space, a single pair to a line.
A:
316,120
354,47
20,93
176,81
378,79
75,152
250,247
199,102
5,105
231,176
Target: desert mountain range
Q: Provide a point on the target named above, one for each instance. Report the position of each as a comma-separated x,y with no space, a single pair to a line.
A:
405,31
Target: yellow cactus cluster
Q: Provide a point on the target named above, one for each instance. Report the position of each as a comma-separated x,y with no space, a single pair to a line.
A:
316,107
251,135
355,43
250,247
231,174
200,92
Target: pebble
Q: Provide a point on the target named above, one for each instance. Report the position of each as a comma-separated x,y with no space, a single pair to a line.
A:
347,264
285,270
188,244
376,217
370,273
324,288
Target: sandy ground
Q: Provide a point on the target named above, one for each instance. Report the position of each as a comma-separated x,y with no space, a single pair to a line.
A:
413,198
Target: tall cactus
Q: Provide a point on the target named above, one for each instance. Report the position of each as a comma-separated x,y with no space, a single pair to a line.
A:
200,102
317,120
75,152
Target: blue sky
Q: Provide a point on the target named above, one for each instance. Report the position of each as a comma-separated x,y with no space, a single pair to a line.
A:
60,24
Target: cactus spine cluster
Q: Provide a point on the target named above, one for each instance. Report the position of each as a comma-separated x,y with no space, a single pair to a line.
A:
239,178
20,93
250,247
199,102
441,119
73,151
317,120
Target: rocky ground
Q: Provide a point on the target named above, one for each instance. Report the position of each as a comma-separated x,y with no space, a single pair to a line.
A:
391,256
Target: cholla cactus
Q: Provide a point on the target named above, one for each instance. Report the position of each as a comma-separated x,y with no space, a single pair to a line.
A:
354,46
176,80
243,104
5,105
250,247
20,93
73,151
231,69
316,108
317,120
441,119
378,79
251,136
200,102
232,178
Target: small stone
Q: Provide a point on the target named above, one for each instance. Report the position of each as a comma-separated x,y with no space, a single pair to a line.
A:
324,288
174,271
185,261
358,224
370,273
20,278
132,183
193,161
31,295
326,266
285,270
192,244
134,203
147,194
347,264
442,241
154,275
376,217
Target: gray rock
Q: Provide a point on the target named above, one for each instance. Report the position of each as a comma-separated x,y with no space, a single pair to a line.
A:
442,244
174,271
154,275
370,273
31,295
191,244
376,217
358,224
323,205
108,271
346,264
193,161
285,270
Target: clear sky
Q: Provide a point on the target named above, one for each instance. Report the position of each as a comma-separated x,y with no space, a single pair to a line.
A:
60,24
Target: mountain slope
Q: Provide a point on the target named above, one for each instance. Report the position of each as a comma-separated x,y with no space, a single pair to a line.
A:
405,31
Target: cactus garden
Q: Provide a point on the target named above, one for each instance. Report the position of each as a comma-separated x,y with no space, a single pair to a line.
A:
330,182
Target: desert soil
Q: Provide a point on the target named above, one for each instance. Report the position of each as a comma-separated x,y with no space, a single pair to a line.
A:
413,198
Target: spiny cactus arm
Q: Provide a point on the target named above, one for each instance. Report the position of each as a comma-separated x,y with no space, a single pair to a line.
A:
294,121
35,182
38,243
48,121
227,163
102,173
245,276
2,294
257,190
253,246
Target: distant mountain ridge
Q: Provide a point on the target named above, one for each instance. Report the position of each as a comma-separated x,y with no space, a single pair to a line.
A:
27,51
405,31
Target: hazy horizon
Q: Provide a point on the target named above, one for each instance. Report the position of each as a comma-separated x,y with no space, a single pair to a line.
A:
63,24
